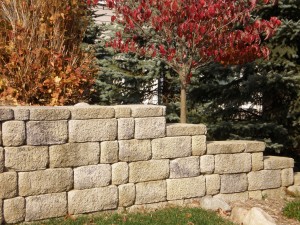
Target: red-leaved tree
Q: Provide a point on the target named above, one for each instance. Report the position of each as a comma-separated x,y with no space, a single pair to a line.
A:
188,34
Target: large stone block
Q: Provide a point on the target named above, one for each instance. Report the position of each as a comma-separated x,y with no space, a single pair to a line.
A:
45,181
49,113
1,219
257,161
109,152
148,170
264,179
255,195
120,173
21,113
92,130
207,164
276,193
213,184
151,127
254,146
198,145
185,167
13,133
122,111
92,112
233,163
242,196
6,114
47,132
232,183
0,134
277,162
1,159
185,188
93,176
46,206
26,158
14,210
126,195
287,177
140,111
134,150
125,128
297,178
171,147
183,129
150,192
224,147
8,185
74,154
92,200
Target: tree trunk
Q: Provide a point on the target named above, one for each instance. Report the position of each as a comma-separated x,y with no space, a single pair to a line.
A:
183,110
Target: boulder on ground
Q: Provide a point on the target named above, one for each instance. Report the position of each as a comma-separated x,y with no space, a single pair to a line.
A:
257,216
211,203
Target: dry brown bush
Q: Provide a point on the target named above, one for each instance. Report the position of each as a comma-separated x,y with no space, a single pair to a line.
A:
41,61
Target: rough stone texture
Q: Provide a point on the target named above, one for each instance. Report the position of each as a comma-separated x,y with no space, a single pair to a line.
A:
6,114
243,196
231,183
255,195
232,163
21,113
14,210
224,147
254,146
277,162
287,177
207,164
140,111
185,167
74,154
152,127
109,152
171,147
49,113
213,184
147,207
92,130
46,132
0,133
150,192
185,188
8,185
257,161
92,112
293,191
46,206
45,181
26,158
257,216
1,159
92,200
184,129
134,150
13,133
1,219
238,214
126,195
274,193
148,170
93,176
125,128
120,173
297,178
198,145
122,111
264,179
210,203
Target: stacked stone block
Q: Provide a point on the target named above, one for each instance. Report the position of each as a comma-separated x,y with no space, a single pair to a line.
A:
56,161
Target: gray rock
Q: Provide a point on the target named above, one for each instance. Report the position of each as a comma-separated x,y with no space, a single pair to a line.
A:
211,203
257,216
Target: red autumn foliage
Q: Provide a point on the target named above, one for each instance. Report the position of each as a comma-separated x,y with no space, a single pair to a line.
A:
188,34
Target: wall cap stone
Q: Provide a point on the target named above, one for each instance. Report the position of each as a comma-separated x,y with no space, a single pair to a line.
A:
183,129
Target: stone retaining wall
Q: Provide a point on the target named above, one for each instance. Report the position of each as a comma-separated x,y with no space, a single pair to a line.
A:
56,161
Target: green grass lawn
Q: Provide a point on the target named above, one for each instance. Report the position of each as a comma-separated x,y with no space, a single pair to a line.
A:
292,210
176,216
